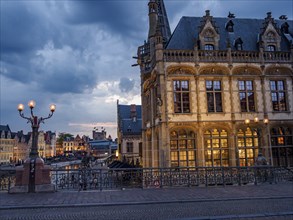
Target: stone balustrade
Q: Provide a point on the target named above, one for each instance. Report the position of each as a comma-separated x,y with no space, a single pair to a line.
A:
219,56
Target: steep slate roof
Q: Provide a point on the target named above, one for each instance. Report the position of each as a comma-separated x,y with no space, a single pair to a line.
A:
6,130
102,144
126,123
186,33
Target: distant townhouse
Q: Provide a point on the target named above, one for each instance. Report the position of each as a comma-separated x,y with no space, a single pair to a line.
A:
129,132
21,151
7,144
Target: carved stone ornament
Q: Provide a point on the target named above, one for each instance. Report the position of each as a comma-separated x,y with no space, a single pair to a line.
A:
246,70
180,70
214,70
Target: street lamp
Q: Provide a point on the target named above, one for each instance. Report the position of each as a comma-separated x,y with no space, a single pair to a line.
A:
35,124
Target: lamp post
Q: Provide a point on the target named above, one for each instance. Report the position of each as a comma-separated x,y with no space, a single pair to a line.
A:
35,124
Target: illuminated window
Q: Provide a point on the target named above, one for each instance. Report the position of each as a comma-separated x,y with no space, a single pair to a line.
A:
183,150
246,95
282,146
278,95
248,144
181,96
216,148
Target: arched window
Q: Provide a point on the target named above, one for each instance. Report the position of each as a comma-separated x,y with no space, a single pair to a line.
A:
238,44
282,146
183,149
248,144
208,47
216,148
271,48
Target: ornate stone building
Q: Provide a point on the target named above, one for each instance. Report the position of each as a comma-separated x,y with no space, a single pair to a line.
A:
202,83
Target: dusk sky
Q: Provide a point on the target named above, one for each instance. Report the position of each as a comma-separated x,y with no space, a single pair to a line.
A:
78,55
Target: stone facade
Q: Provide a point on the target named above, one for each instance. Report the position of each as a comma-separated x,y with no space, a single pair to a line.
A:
198,89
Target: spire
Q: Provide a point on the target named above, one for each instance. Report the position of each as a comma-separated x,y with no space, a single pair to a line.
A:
163,22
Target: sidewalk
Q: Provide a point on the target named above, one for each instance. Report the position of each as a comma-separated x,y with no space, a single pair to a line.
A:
144,196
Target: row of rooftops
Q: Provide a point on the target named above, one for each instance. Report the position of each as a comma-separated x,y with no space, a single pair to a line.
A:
6,133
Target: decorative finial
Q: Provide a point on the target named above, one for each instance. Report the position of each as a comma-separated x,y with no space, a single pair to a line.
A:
283,17
269,14
230,15
207,12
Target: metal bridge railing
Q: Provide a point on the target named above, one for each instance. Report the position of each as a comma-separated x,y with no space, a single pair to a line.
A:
86,178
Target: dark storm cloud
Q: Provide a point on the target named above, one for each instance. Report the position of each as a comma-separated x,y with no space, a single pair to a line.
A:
120,16
21,29
126,84
74,28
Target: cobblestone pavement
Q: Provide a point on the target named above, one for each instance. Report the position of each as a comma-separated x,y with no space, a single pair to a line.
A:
231,202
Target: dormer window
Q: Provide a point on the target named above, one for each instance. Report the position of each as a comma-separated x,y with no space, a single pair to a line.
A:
238,44
229,26
209,36
208,47
271,48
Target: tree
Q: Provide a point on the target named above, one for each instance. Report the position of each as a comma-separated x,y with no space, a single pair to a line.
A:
63,136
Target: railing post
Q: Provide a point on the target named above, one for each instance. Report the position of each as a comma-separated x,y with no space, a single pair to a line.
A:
255,175
188,176
161,179
170,177
239,176
56,179
223,176
206,176
9,184
101,179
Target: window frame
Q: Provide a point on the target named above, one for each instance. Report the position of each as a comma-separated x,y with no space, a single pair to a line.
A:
277,105
181,98
271,48
281,152
214,144
254,138
214,96
183,144
247,103
129,147
209,47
